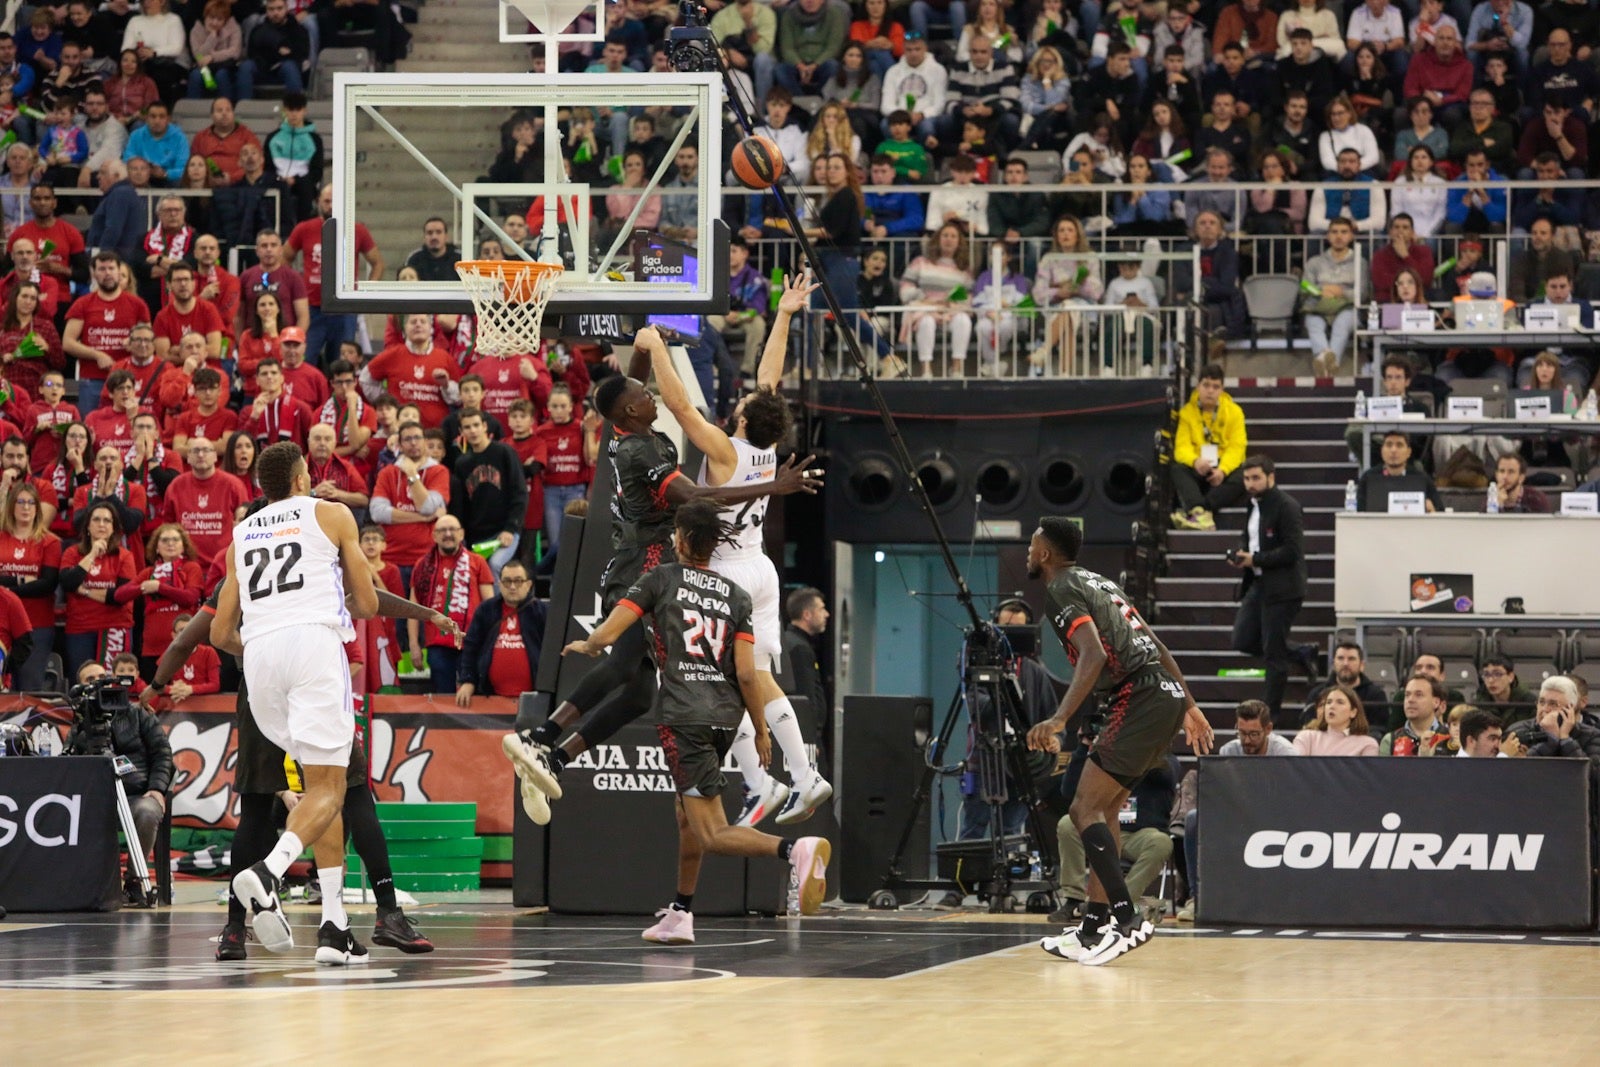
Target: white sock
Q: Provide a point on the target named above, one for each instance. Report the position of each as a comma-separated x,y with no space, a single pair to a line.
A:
785,727
284,853
332,881
747,758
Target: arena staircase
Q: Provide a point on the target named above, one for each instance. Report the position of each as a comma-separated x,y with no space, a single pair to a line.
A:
1302,429
451,36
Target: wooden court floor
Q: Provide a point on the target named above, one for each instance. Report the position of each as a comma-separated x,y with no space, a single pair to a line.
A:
508,987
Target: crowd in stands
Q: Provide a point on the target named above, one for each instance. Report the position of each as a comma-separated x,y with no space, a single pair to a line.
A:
1130,119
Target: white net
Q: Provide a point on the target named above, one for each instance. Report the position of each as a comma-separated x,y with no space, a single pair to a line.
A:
509,298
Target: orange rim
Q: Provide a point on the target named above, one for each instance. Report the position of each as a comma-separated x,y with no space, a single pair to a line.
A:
521,277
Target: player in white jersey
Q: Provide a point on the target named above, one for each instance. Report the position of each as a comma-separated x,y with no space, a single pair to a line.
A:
749,456
282,606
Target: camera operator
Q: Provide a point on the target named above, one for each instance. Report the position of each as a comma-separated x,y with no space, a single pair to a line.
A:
1038,704
136,734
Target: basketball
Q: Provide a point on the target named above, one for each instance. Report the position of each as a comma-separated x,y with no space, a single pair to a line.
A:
757,163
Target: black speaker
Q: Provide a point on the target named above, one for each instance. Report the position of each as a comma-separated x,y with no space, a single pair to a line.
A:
880,741
998,454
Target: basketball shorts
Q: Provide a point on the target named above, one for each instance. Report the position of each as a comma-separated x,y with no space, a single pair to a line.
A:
695,754
627,566
299,683
1143,714
759,578
259,767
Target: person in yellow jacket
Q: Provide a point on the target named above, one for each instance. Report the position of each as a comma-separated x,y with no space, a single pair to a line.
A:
1207,450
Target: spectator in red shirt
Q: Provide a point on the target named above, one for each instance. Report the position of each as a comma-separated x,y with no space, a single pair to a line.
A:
507,380
98,326
30,567
216,284
71,470
16,632
500,653
206,501
25,268
416,372
220,142
353,419
327,333
409,495
148,463
143,365
272,275
302,381
110,486
382,653
333,477
275,415
97,574
46,420
260,338
186,312
24,331
238,458
67,255
530,448
175,394
452,580
206,417
168,243
113,425
568,463
170,586
14,472
201,673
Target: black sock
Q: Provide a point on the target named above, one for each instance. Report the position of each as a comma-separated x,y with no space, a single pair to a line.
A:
1096,917
1100,848
558,760
683,902
366,838
545,733
383,890
784,848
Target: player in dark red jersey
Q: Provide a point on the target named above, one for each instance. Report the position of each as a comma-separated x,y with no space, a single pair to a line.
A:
1116,656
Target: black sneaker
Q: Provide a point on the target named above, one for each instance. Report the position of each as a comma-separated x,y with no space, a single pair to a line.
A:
230,943
394,930
257,888
338,948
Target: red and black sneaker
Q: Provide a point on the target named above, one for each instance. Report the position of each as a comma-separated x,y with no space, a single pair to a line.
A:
395,930
230,943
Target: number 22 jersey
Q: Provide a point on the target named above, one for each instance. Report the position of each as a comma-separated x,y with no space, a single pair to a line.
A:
289,573
699,615
1076,595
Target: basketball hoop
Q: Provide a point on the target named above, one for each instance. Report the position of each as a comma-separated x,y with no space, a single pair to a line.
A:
509,297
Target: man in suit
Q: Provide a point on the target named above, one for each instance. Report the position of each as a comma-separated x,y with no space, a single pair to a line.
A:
1271,557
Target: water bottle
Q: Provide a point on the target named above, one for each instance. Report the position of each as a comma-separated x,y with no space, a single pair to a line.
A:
1372,316
1350,495
1591,407
792,904
1361,404
208,78
1035,868
1569,402
1491,505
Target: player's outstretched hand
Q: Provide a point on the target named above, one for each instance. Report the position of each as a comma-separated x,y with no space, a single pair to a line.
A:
447,626
1046,736
582,648
1197,731
797,290
797,476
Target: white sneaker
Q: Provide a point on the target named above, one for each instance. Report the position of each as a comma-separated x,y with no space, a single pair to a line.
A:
810,860
535,803
759,805
532,763
675,928
803,800
1068,944
1115,941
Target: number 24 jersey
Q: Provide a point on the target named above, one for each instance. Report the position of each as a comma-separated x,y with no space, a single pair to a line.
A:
699,615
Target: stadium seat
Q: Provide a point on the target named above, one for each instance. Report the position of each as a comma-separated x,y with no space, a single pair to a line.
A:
1460,650
1044,168
262,117
331,61
192,114
1423,398
1271,299
1567,478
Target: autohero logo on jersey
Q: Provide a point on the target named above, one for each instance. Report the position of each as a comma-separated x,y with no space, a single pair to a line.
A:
1392,851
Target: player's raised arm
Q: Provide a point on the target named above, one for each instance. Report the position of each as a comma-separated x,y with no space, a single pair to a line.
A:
707,438
605,635
797,289
639,363
225,623
340,526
